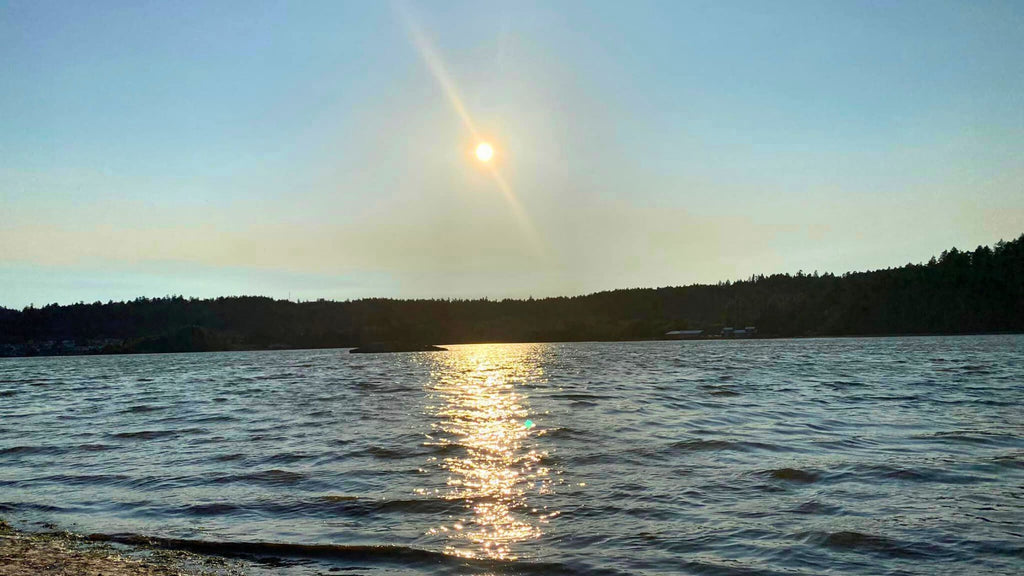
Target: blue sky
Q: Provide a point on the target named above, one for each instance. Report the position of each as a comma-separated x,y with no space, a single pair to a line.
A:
309,149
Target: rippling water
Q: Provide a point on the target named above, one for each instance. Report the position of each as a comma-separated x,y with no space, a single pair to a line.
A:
851,456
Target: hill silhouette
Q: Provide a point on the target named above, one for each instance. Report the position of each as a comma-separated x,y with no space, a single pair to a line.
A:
955,293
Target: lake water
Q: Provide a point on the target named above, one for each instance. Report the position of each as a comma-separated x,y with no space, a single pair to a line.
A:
843,456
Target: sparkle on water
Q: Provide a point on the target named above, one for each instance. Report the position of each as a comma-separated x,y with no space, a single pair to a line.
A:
480,411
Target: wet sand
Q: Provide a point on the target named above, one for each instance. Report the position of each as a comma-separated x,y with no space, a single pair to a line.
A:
66,554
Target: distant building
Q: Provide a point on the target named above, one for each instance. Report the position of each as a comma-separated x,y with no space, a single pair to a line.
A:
732,332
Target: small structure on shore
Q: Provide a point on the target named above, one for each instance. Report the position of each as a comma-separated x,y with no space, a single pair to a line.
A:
746,332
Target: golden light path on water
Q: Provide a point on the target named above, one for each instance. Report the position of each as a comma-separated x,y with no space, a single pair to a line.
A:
440,72
482,418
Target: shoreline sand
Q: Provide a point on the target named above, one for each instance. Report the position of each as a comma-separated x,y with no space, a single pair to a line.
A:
67,554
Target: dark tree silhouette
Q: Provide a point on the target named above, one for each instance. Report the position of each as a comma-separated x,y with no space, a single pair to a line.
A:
958,292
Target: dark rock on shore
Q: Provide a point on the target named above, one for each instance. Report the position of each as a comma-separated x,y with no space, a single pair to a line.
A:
381,347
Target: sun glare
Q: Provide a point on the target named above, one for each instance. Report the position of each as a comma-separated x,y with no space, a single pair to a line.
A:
484,152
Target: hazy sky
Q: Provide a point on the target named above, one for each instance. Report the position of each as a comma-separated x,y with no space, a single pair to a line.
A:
316,149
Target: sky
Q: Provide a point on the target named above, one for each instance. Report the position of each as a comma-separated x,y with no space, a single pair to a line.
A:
310,150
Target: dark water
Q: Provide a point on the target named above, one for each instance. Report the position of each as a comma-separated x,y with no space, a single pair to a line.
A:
845,456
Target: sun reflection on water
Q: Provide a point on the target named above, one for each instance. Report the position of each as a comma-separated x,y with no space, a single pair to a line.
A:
483,423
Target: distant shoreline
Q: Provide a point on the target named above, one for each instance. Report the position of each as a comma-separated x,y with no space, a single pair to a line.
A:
678,340
958,293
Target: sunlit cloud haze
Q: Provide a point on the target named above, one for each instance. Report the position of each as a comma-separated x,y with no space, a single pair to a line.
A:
311,150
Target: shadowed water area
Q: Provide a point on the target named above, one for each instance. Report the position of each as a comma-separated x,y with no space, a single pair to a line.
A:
845,456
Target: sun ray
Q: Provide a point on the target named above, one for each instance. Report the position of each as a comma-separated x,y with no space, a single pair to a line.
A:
437,68
520,214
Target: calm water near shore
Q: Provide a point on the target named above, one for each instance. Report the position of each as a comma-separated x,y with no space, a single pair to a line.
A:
843,456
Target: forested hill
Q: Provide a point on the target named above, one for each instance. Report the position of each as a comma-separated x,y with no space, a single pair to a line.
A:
958,292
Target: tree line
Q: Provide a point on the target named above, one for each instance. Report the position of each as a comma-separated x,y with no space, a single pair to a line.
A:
957,292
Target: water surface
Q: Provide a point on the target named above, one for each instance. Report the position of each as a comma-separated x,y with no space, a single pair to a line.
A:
844,456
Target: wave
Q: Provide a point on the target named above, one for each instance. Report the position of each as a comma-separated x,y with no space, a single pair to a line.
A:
79,479
981,437
326,507
793,475
94,447
273,477
32,506
351,505
732,569
881,472
142,408
699,445
814,507
405,556
25,450
848,540
380,553
145,435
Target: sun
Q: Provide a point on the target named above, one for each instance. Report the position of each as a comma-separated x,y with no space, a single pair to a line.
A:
484,152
